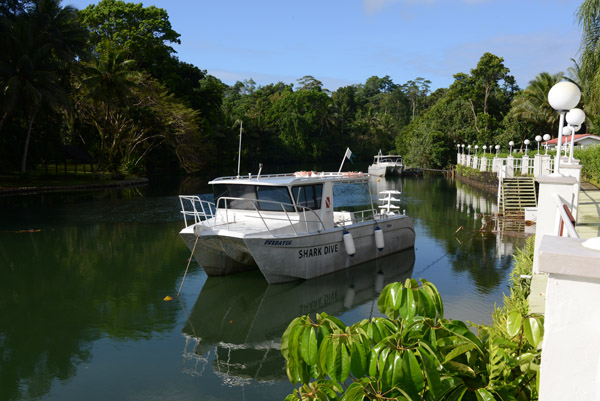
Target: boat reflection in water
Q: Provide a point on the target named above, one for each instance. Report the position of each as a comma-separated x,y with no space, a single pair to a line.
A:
237,321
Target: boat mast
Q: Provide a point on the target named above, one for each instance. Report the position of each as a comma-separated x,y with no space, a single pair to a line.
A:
240,149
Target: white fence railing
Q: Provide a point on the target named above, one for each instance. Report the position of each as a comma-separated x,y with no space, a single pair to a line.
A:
536,166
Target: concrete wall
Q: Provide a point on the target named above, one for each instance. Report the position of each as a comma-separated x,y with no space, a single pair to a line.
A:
570,368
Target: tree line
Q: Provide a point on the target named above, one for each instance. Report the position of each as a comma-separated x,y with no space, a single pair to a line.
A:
107,79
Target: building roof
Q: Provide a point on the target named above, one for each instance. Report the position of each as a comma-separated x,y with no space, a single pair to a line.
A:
567,139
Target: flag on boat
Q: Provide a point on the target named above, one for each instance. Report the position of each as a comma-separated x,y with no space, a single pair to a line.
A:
349,155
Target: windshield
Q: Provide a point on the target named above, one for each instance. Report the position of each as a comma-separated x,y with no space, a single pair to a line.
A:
253,193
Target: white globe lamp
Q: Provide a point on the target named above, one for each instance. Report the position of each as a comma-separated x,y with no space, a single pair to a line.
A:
562,97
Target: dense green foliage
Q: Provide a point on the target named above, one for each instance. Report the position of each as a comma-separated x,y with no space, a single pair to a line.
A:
107,79
412,354
415,353
590,161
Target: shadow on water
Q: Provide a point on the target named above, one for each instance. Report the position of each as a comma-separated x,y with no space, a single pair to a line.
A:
241,338
63,289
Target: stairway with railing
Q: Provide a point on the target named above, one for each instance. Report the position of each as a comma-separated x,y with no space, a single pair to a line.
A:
516,194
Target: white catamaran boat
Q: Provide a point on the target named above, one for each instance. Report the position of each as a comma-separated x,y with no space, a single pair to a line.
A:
285,225
385,165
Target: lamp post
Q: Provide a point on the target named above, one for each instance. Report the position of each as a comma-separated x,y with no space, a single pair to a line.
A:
511,144
463,148
562,97
526,142
538,138
546,138
566,133
497,150
469,148
575,117
476,148
484,148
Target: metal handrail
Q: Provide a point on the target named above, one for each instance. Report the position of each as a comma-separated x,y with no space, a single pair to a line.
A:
563,219
205,210
222,204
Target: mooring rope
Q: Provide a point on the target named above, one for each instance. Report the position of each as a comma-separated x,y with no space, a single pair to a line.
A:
188,266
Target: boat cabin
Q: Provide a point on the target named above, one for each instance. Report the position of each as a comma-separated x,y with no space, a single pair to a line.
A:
302,197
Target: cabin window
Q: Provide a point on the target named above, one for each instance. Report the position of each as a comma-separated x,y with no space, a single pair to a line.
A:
253,193
308,195
274,194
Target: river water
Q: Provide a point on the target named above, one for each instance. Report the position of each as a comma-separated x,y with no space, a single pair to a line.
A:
83,277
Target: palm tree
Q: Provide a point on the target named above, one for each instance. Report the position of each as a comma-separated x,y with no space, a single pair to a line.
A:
532,104
36,45
588,69
108,82
27,79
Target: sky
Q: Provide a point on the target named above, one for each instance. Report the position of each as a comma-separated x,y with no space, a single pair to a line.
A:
344,42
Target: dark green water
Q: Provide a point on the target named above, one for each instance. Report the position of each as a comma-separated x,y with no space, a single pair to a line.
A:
83,277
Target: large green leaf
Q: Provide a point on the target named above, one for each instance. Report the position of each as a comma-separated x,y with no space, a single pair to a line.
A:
459,350
460,368
433,292
484,395
513,323
534,331
412,380
432,374
338,360
308,345
359,359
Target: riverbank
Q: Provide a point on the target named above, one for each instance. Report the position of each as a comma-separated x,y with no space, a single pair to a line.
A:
13,185
483,180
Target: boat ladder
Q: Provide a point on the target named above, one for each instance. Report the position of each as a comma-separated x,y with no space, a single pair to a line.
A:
388,206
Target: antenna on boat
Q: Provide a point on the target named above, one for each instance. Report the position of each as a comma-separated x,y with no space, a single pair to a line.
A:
240,148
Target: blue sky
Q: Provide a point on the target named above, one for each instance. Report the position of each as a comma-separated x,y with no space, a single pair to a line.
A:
344,42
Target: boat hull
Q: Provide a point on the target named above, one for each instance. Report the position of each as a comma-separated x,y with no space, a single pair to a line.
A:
308,256
383,171
219,255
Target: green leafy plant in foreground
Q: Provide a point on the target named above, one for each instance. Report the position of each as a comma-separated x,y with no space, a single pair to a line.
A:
412,354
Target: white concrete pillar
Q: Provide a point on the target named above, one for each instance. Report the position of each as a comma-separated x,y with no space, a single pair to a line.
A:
510,167
545,161
525,165
547,208
483,166
570,368
537,165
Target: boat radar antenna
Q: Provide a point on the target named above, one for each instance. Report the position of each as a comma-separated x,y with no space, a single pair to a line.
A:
240,149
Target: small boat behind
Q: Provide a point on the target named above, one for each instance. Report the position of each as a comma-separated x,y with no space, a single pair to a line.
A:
286,226
386,165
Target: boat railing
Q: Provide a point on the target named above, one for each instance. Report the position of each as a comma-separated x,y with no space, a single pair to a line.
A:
196,208
300,218
346,175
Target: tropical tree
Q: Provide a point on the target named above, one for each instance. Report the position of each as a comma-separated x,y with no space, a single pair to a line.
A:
531,104
108,81
145,33
587,71
37,46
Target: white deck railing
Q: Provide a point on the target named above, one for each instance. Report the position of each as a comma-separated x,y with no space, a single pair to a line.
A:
536,166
